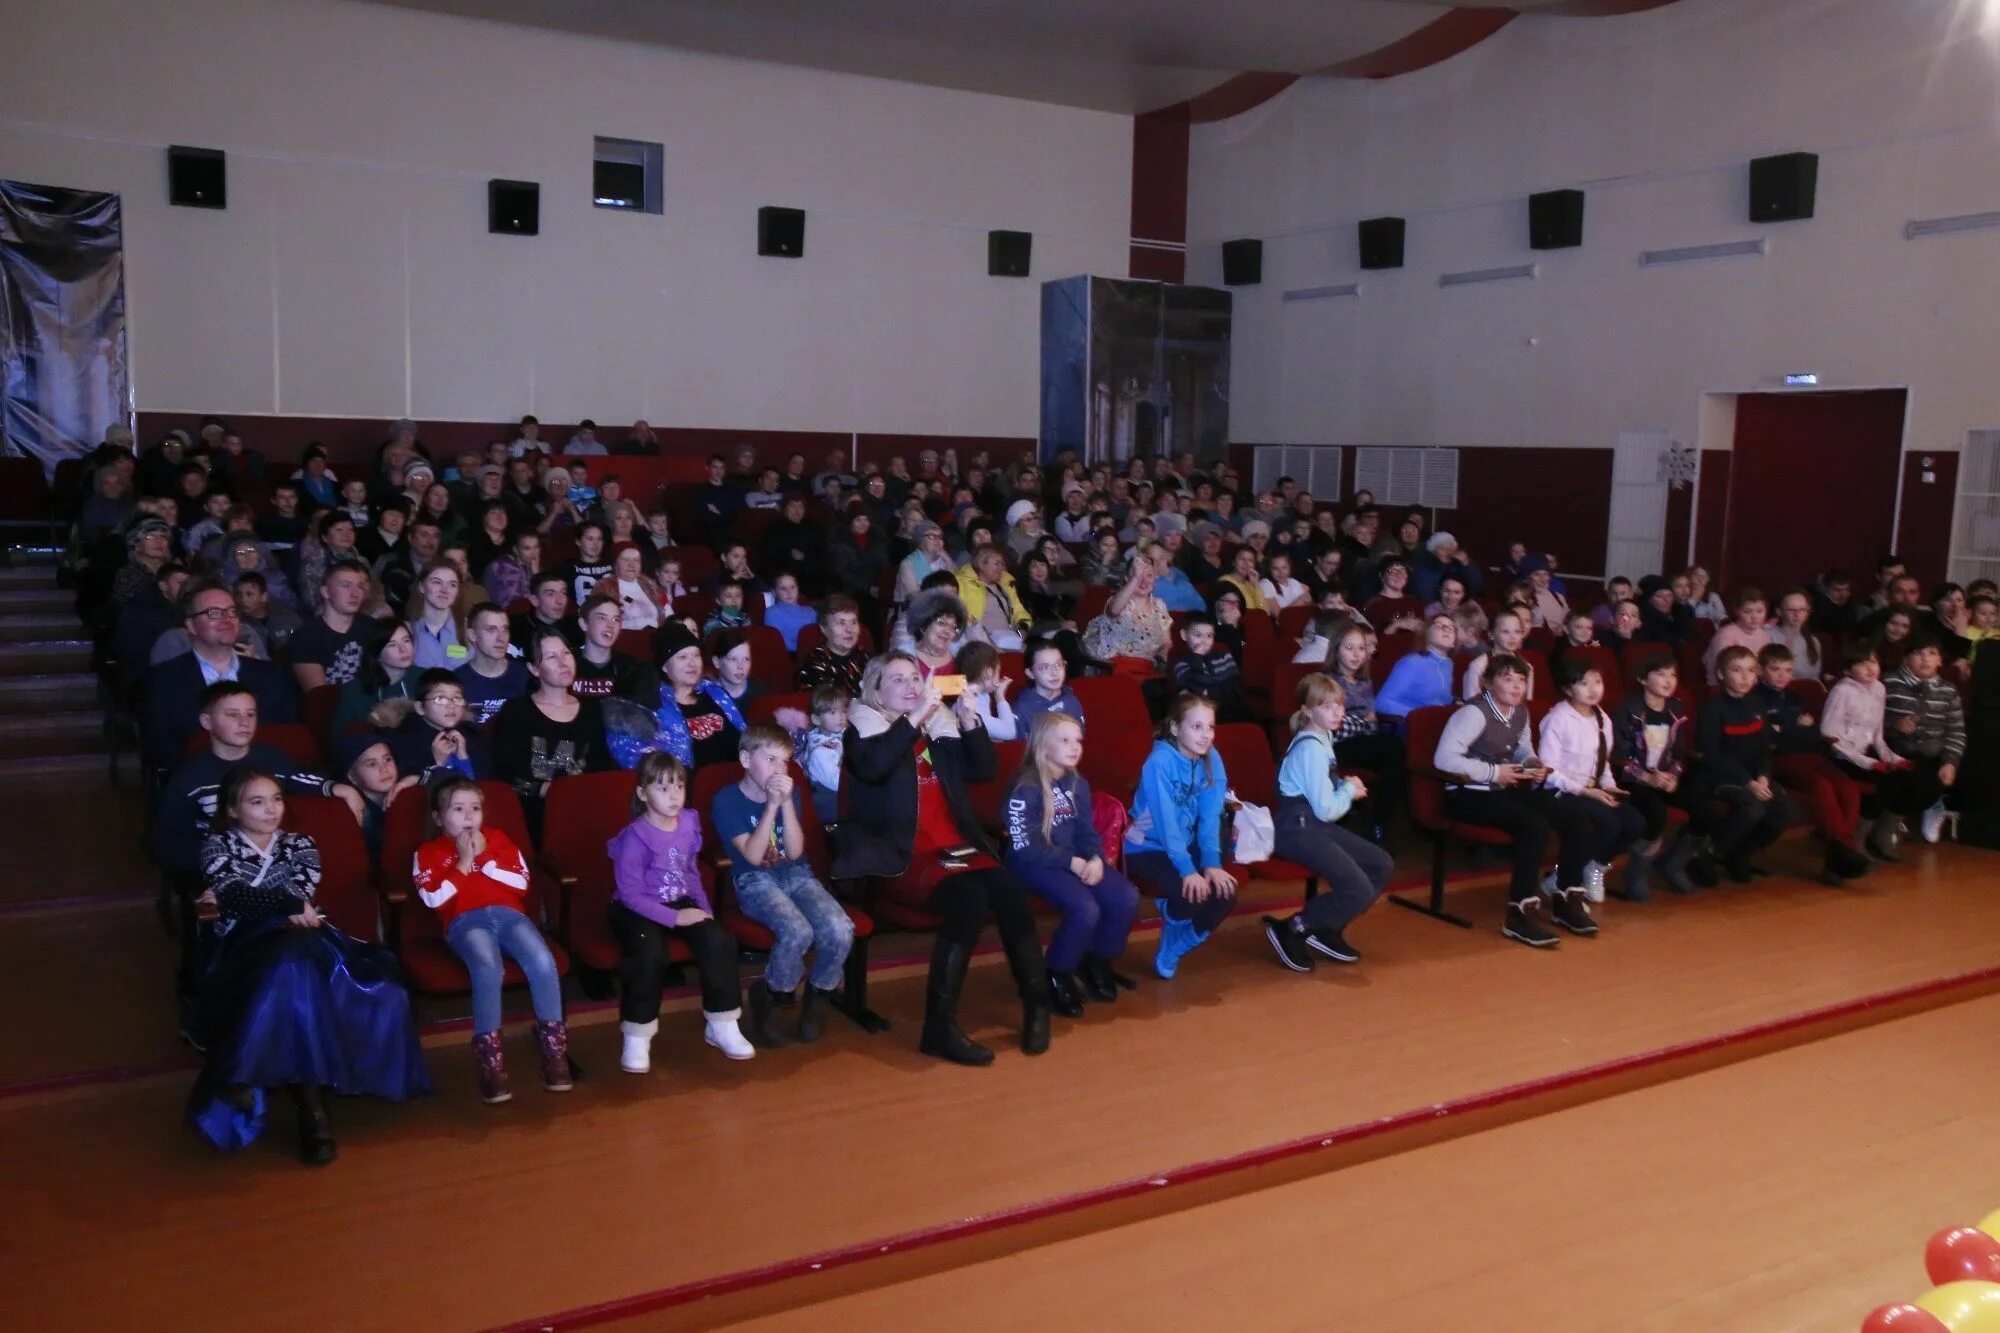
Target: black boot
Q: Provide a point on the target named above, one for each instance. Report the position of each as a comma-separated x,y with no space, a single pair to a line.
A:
1031,978
1095,977
812,1013
764,1004
1634,888
316,1145
1673,867
942,1036
1851,861
1065,997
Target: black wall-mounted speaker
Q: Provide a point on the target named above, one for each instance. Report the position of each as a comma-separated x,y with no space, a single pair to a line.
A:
514,208
1782,187
197,177
1007,253
1555,219
1242,262
1381,242
781,231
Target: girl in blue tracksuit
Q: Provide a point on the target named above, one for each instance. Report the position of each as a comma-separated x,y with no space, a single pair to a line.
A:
1175,846
1053,847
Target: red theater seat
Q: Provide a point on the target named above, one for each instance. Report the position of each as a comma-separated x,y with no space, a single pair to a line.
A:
346,894
583,814
1421,732
1253,776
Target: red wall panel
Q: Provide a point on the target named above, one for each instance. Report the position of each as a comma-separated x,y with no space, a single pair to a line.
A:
1923,535
1555,500
1711,511
1812,485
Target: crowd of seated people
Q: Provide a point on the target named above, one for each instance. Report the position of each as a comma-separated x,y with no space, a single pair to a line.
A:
910,641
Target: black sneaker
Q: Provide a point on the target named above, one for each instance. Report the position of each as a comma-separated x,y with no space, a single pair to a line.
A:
1524,923
1288,938
1332,944
1739,870
1705,871
1572,913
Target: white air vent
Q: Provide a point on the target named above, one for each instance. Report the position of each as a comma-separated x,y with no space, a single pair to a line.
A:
1470,276
1412,476
1947,226
1323,293
1687,254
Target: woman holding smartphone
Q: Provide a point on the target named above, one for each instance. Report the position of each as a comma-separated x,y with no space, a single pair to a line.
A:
910,759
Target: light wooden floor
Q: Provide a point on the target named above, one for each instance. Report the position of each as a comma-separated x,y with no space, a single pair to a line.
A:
630,1185
1792,1192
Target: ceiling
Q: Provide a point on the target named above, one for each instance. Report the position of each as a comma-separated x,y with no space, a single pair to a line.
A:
1110,55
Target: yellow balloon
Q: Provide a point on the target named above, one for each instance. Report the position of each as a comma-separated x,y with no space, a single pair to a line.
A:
1988,1222
1964,1307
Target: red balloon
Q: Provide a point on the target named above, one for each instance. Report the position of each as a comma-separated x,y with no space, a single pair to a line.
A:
1901,1319
1962,1254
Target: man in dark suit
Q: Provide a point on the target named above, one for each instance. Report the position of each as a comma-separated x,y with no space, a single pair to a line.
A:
171,692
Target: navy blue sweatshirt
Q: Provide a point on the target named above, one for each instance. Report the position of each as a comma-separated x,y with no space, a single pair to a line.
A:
1734,740
1071,834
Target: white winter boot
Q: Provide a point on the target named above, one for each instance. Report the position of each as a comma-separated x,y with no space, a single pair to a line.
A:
725,1036
637,1057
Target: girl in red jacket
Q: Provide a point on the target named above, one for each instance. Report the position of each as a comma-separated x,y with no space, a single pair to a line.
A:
476,880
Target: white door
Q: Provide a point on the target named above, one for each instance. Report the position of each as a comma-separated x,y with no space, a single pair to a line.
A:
1975,539
1638,528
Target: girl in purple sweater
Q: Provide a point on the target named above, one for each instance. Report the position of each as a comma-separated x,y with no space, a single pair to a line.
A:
660,894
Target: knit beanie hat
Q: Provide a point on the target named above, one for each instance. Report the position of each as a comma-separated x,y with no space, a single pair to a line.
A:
672,637
348,747
1019,510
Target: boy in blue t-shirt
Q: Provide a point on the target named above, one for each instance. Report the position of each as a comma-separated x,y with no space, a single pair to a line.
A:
758,820
492,677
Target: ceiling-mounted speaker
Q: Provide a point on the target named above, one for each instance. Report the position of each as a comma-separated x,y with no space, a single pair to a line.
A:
1008,252
1782,187
514,208
1555,219
781,231
1381,242
1242,262
197,177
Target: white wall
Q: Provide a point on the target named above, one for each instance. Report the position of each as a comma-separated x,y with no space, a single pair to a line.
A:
1655,115
352,273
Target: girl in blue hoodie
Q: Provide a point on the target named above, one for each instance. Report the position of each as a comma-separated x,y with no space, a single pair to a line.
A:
1175,846
1053,846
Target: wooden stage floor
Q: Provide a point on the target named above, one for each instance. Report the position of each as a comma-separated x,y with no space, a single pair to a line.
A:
1790,1192
445,1214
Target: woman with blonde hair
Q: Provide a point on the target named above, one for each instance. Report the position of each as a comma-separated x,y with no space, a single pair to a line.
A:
1312,798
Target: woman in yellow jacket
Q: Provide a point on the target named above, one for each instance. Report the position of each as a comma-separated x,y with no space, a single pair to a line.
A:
1242,576
993,606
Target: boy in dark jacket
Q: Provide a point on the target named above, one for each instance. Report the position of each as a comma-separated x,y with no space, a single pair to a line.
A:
1208,669
1649,751
1800,761
1736,748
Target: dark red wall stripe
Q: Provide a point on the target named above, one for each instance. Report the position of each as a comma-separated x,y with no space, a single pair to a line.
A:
1442,38
1159,193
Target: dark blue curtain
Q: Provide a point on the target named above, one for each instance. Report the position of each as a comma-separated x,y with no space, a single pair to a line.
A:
63,373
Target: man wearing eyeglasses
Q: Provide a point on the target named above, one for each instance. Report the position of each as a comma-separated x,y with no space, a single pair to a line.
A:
171,691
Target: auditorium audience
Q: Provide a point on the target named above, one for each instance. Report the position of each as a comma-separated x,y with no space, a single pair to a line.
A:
450,564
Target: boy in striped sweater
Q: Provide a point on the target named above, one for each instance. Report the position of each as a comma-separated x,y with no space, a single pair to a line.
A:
1924,721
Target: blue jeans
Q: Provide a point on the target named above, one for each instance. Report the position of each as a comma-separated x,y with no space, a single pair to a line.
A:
484,939
795,907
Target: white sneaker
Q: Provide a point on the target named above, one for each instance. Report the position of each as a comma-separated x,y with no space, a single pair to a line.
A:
1593,882
637,1055
1933,821
725,1036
